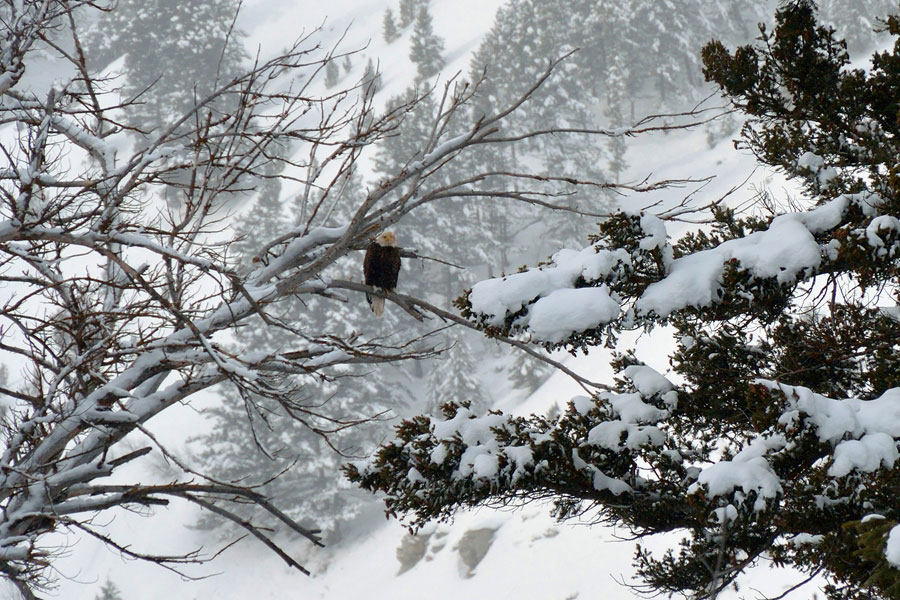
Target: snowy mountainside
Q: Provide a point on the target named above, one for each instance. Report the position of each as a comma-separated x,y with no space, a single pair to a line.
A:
356,25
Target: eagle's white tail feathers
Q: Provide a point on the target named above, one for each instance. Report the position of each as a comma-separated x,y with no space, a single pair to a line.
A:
378,305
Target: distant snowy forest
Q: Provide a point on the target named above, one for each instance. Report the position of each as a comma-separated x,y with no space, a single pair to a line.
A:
183,213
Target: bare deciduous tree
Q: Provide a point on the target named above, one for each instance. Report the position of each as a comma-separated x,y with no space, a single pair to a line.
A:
119,290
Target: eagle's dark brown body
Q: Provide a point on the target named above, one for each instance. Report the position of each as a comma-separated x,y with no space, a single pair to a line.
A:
381,268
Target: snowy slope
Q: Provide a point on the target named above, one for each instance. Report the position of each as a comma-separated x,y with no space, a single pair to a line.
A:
531,556
272,24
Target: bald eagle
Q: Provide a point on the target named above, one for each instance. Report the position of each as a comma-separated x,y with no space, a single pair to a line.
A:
381,268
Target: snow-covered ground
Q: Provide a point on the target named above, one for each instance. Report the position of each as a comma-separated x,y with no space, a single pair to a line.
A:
531,556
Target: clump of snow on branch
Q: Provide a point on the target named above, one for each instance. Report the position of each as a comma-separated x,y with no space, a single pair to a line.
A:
563,312
631,423
892,549
635,421
863,433
748,471
783,251
557,308
816,164
480,459
573,293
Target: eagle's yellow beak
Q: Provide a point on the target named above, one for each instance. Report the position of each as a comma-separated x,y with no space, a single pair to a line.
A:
386,238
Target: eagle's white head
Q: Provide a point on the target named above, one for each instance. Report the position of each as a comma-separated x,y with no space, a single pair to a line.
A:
386,238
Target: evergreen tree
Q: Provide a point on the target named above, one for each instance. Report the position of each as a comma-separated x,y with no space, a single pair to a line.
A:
498,71
526,373
658,39
348,64
779,435
408,10
426,50
615,108
109,591
389,28
456,374
856,21
665,48
332,74
371,76
266,215
174,52
510,57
